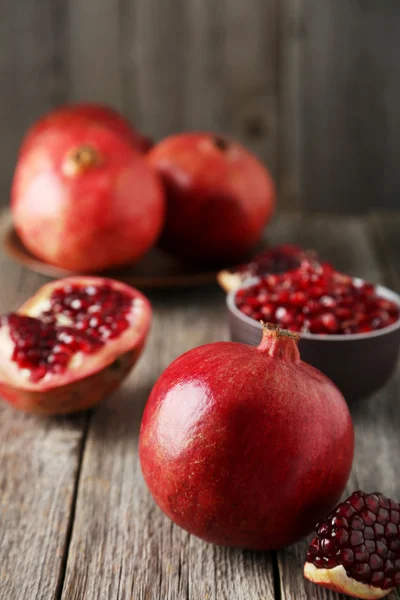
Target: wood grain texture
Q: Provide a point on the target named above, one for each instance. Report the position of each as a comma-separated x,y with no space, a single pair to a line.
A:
291,32
31,74
349,105
250,75
93,51
348,244
122,546
386,228
155,64
39,463
204,94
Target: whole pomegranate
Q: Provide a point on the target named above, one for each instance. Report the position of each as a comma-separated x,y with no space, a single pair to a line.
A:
246,446
93,112
219,197
71,344
83,199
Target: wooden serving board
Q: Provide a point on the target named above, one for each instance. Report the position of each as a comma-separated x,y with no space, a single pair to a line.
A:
155,270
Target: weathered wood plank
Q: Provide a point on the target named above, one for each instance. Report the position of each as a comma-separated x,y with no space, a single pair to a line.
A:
39,464
291,32
346,242
349,105
155,65
122,546
386,229
204,93
250,75
93,51
31,74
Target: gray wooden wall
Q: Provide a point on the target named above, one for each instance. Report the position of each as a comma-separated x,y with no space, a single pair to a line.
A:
313,86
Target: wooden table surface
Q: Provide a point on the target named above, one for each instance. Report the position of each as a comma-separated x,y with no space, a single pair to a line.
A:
76,520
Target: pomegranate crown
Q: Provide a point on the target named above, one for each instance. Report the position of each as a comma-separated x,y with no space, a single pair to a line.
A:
279,343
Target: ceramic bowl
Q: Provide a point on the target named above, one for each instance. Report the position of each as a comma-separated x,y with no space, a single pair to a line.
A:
359,364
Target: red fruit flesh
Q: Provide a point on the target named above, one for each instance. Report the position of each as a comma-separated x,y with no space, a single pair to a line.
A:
316,299
84,200
219,197
71,344
244,446
357,548
275,260
94,113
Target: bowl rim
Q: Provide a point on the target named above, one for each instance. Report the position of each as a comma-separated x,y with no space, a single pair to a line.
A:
381,290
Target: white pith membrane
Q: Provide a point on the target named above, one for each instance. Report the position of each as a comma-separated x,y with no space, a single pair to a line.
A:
337,579
230,280
83,363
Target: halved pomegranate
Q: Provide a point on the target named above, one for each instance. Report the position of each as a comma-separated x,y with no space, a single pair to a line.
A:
274,260
71,344
357,548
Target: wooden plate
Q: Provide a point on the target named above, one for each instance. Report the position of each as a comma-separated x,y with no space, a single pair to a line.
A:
155,270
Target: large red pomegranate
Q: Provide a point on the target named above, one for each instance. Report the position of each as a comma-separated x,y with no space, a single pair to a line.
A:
83,199
71,344
93,112
246,446
219,197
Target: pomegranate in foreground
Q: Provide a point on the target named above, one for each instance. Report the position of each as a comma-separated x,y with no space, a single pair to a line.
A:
95,113
71,344
274,260
245,446
357,548
219,197
83,199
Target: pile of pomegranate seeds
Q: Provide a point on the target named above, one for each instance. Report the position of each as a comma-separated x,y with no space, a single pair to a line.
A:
315,298
363,535
275,260
46,344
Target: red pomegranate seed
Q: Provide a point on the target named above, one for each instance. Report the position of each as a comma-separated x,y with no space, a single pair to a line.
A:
42,346
316,299
368,550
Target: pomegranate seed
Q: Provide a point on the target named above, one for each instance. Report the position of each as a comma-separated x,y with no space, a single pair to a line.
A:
276,260
370,547
42,346
328,302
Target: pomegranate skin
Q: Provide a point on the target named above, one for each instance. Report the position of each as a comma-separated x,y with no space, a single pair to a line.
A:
76,396
219,197
85,200
93,112
245,449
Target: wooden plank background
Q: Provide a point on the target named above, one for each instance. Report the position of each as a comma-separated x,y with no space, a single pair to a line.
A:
76,519
313,87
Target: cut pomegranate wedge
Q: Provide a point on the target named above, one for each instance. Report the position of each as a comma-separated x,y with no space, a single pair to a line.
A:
275,260
357,549
71,344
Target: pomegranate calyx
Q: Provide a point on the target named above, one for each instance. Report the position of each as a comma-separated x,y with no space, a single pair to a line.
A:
221,143
279,343
81,159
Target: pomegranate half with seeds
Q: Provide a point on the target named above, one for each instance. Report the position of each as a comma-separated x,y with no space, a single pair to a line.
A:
357,548
71,344
245,446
